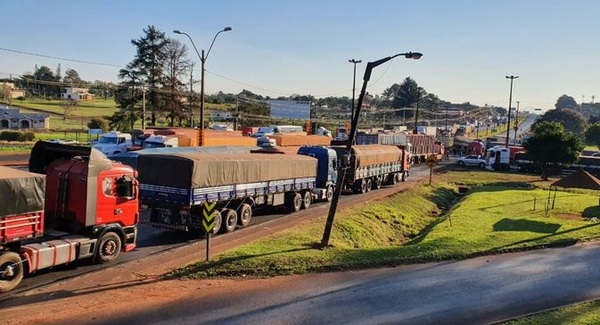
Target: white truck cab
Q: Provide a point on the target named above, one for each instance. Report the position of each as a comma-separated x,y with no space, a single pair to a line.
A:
161,141
113,143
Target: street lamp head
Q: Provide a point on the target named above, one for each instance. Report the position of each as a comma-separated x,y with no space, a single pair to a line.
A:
354,61
226,29
177,32
413,55
512,77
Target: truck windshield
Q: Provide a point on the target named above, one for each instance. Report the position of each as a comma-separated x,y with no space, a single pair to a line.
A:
108,140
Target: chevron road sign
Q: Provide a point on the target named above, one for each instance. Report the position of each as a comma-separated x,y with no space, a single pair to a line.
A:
208,222
208,216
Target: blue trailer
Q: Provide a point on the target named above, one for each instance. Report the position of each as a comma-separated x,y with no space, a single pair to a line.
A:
175,185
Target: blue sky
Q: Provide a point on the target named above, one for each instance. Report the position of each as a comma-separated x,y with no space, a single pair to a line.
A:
280,48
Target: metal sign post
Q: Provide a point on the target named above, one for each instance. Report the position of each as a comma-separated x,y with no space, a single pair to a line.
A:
208,222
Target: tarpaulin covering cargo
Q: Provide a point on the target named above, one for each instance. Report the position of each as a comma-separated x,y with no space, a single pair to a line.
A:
372,154
300,140
20,191
194,170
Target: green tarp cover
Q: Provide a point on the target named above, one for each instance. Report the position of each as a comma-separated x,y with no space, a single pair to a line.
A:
20,191
196,170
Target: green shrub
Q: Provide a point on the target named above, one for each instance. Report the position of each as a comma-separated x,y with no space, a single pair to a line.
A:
17,136
10,135
27,136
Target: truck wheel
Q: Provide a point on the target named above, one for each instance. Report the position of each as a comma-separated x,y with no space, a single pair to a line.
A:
461,163
329,193
403,177
244,215
294,202
109,247
218,222
11,271
230,220
360,186
377,184
481,165
368,185
306,199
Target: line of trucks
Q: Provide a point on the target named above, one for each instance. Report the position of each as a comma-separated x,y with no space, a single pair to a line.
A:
74,203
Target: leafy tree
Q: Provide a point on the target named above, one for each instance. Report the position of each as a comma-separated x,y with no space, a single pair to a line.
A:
571,120
147,67
42,82
550,146
592,136
72,77
565,101
98,123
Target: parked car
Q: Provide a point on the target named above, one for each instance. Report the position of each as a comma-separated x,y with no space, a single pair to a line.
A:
472,160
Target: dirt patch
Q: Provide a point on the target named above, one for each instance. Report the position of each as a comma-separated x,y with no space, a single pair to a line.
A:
570,216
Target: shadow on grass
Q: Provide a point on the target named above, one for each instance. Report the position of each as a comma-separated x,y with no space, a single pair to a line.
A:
206,267
591,212
526,225
562,242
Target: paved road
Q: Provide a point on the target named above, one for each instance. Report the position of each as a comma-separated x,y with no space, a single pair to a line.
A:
475,291
152,241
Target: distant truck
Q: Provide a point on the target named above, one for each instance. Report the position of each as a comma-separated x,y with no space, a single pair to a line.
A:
161,141
371,166
113,143
85,206
502,158
419,146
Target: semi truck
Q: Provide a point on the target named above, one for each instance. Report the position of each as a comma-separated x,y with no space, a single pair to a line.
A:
72,204
113,143
418,146
371,166
501,158
238,183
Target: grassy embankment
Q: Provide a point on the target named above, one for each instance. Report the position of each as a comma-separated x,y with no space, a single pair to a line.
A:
587,313
426,223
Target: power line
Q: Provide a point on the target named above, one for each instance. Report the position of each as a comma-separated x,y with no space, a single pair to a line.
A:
59,58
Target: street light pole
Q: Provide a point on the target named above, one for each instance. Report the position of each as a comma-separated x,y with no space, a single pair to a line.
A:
202,58
516,124
509,104
353,61
341,168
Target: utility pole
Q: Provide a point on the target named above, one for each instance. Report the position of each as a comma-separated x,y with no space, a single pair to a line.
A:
354,62
516,124
191,104
509,103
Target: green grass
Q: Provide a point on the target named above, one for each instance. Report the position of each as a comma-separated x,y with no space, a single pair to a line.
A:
426,223
582,314
95,108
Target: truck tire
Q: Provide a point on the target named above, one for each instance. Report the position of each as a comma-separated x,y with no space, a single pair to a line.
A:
108,247
368,185
329,193
230,220
481,165
377,183
403,176
11,271
294,202
360,186
244,215
218,222
306,199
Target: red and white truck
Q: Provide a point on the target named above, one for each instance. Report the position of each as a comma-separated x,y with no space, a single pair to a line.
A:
74,203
